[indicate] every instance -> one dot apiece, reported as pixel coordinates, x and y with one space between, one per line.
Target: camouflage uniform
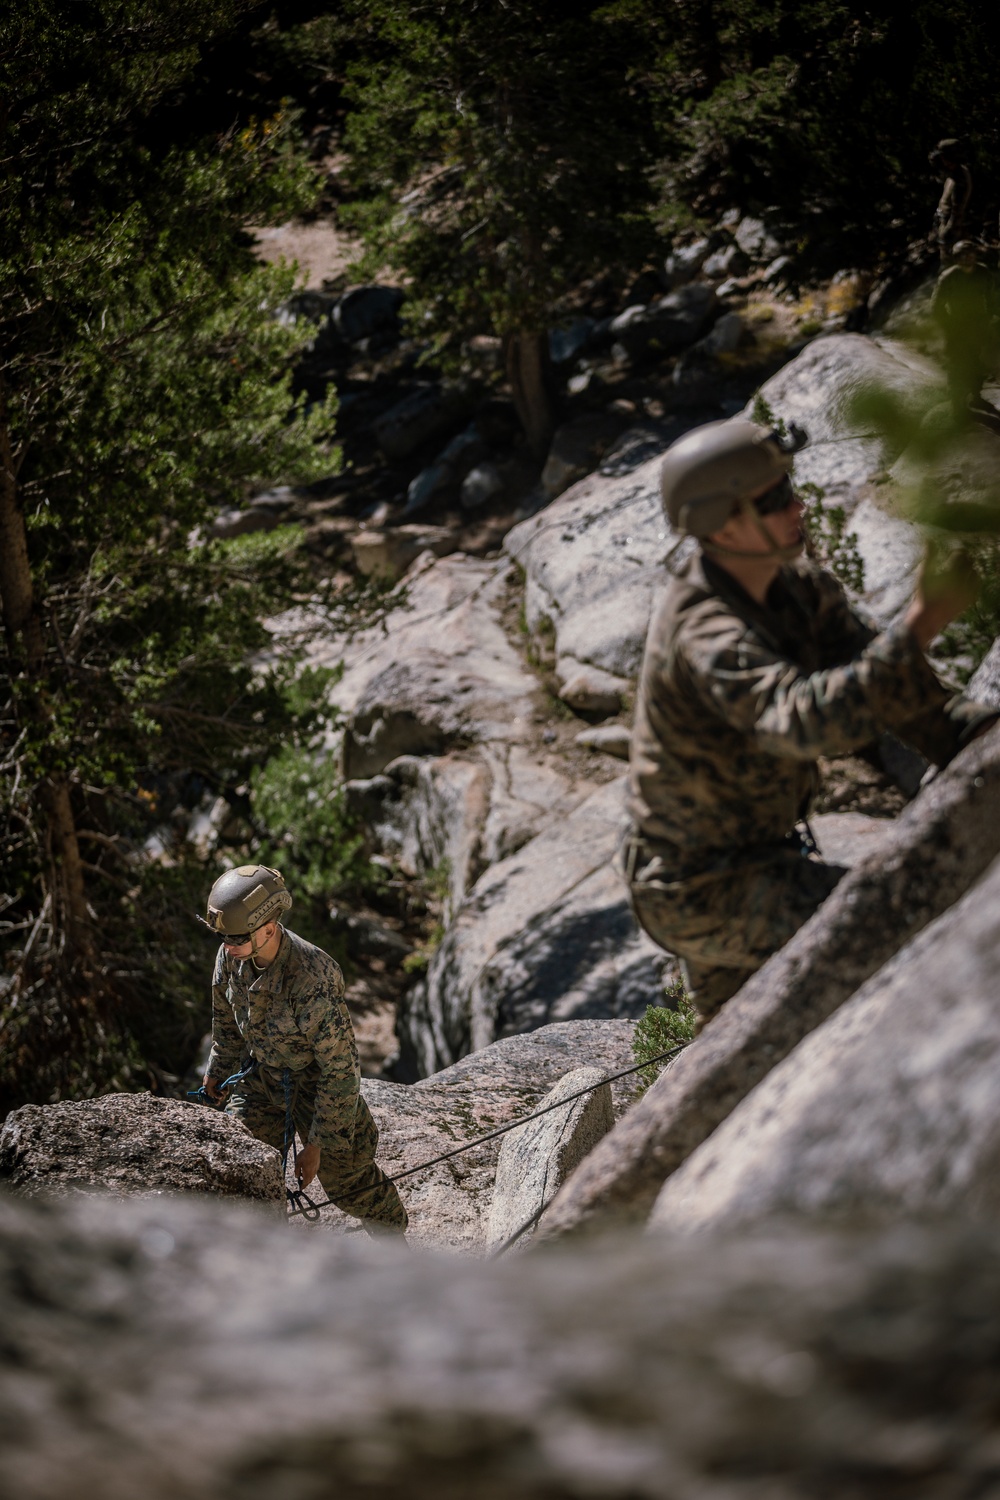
949 216
736 703
291 1015
965 308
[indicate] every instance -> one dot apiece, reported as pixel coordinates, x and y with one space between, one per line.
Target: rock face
135 1143
891 1108
441 671
546 934
939 848
592 562
449 1205
177 1349
593 559
536 1159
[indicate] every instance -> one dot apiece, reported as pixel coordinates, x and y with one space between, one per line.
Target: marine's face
782 528
241 945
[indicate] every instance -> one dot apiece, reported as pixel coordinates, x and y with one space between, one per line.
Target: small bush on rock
661 1028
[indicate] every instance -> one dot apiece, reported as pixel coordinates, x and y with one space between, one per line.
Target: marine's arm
227 1044
886 684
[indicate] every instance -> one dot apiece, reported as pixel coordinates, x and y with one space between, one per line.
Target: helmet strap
780 554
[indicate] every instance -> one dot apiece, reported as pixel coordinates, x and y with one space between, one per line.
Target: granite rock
889 1109
135 1144
938 849
192 1351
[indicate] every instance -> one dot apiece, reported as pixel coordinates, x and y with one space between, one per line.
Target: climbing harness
312 1212
231 1082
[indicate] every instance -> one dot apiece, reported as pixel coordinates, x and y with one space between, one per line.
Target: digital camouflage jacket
290 1015
737 702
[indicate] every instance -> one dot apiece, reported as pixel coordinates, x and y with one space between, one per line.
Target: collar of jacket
269 981
708 580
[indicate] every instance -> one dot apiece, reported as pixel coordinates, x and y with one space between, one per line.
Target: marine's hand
308 1164
212 1088
947 586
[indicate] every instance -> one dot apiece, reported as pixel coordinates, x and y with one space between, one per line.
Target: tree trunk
26 652
529 373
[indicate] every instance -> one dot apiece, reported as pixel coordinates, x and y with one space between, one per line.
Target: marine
756 665
949 216
278 1015
966 309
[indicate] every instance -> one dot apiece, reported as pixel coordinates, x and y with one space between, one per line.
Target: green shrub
663 1027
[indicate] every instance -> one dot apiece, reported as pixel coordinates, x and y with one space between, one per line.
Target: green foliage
818 115
945 484
830 542
144 381
298 802
500 154
663 1028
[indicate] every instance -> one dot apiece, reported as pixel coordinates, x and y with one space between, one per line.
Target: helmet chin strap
780 554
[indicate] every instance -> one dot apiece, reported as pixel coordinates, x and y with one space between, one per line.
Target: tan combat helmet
711 472
242 900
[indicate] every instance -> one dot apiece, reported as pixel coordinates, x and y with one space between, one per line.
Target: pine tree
501 149
144 381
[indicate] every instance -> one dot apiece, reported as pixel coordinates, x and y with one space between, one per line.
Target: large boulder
536 1159
439 672
666 326
891 1108
939 848
182 1349
451 816
593 561
450 1204
427 412
135 1143
546 934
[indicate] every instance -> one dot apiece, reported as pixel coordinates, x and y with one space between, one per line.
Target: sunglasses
234 939
779 497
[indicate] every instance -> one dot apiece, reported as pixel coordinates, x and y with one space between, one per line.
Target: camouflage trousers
724 924
356 1184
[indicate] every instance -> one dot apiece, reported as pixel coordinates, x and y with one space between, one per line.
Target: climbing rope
491 1135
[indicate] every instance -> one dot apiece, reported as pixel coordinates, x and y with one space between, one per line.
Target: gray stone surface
592 563
891 1108
984 684
441 670
387 553
449 1205
848 838
815 390
455 814
577 447
427 412
940 847
546 934
536 1159
611 739
666 326
588 689
135 1143
193 1351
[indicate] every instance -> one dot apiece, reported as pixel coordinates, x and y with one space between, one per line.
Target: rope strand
492 1135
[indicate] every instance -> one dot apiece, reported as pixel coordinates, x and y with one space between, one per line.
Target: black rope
491 1135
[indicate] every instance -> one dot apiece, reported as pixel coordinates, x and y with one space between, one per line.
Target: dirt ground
321 250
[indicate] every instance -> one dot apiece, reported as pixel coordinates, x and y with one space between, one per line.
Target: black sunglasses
235 939
779 497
